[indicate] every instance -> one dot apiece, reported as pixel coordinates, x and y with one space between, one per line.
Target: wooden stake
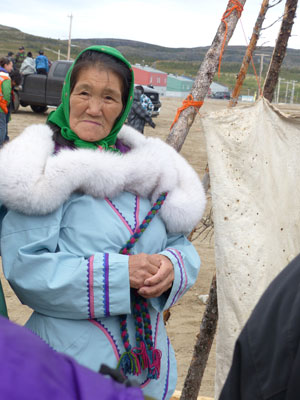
204 79
248 56
280 49
202 347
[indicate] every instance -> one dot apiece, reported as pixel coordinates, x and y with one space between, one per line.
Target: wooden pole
204 79
202 347
280 49
250 49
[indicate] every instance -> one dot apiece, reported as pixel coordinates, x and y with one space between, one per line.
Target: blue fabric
30 369
67 267
41 62
3 128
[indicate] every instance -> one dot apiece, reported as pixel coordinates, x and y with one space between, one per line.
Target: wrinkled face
9 66
95 103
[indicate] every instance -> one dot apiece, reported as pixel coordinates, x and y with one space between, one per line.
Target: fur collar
33 181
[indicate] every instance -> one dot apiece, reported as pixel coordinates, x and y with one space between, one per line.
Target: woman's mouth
92 122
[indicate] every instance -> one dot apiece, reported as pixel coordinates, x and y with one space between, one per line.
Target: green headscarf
61 116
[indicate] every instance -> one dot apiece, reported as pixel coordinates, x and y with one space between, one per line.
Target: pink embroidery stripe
108 336
91 286
120 216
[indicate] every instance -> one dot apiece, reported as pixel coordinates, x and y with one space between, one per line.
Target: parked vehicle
221 95
41 91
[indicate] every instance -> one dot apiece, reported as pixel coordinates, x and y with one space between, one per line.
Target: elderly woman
94 236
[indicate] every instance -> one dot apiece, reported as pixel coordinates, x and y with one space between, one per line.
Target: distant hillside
180 61
12 38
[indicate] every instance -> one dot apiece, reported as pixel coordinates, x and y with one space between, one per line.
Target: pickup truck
40 91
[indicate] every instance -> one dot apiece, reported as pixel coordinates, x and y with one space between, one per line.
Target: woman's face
9 66
95 103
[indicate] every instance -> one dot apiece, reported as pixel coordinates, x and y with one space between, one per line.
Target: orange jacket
3 102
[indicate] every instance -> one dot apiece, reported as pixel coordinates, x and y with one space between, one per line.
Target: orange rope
239 8
252 62
188 102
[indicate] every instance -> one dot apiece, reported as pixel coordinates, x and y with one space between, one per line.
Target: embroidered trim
126 223
109 336
90 285
180 262
106 284
168 372
137 212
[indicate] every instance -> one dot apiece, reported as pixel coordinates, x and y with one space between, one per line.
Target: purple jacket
30 369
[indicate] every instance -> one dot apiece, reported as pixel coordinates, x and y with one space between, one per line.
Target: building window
158 79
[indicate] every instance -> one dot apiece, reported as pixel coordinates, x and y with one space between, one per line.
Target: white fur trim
33 181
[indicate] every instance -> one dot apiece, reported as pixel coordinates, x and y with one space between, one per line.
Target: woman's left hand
161 281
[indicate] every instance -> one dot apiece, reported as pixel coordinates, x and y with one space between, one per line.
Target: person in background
16 79
138 116
28 65
20 56
30 369
41 64
91 241
6 66
146 101
10 56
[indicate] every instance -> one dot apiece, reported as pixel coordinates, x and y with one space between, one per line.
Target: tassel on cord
129 363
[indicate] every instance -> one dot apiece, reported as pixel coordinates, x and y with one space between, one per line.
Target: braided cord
144 355
138 232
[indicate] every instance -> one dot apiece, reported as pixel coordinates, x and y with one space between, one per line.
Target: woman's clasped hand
150 274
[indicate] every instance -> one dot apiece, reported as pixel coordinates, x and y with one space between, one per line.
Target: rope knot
188 102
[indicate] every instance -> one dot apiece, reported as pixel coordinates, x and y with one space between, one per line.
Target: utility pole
69 42
261 65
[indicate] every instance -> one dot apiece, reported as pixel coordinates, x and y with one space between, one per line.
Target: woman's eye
83 93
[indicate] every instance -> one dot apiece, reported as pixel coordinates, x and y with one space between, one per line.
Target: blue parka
69 215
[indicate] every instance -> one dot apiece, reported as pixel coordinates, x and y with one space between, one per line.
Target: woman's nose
95 106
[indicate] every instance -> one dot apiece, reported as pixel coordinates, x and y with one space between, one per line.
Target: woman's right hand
141 267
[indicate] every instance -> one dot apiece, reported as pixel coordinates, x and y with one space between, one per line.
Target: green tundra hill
178 61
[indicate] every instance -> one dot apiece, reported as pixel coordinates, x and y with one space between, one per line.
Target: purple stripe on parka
136 213
168 372
176 254
90 286
106 284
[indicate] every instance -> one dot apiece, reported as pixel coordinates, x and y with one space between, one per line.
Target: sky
169 23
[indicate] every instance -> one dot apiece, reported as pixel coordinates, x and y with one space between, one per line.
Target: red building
150 76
